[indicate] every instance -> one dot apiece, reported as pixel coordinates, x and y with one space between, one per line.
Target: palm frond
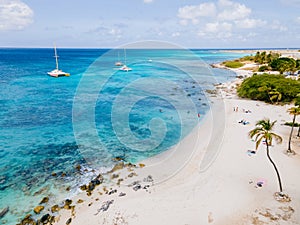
261 123
255 131
258 135
277 138
294 111
272 124
263 131
269 139
259 141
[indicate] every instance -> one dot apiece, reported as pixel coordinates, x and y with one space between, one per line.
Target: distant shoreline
295 53
236 50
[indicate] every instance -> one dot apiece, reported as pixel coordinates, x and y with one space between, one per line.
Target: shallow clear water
45 122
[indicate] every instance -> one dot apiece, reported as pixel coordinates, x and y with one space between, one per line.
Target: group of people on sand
236 109
244 122
246 111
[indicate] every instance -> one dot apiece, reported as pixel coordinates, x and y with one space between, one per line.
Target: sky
187 23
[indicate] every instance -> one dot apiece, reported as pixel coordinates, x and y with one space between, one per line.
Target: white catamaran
57 72
125 67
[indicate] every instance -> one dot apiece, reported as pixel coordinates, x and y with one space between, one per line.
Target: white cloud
232 10
223 10
220 19
249 23
148 1
225 3
218 27
192 13
114 31
247 37
176 34
276 25
212 27
14 15
216 30
252 34
298 19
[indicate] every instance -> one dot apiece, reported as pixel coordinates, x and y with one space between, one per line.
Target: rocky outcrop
44 200
118 166
28 221
67 204
55 208
38 209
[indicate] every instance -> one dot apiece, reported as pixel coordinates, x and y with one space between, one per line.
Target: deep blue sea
49 125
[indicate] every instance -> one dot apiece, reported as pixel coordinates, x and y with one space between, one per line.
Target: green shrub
263 57
269 88
263 68
247 58
298 63
283 64
233 64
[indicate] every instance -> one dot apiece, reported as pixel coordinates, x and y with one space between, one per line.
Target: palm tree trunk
277 172
290 138
298 135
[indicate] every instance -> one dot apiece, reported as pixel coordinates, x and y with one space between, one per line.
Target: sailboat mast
124 56
55 55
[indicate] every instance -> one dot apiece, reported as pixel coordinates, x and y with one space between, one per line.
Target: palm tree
263 132
265 89
257 57
295 111
263 57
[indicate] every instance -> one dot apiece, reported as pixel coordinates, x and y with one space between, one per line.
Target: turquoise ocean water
37 114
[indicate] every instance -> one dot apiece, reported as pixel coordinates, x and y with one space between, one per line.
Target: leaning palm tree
295 111
263 132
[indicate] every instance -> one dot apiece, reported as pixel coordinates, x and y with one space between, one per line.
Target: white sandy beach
192 187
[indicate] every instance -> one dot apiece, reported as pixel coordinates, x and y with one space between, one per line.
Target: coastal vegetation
264 58
263 133
269 88
284 64
271 61
233 64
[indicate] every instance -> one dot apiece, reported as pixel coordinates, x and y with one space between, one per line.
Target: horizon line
190 48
